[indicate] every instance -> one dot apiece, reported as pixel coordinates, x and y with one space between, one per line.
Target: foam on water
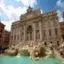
18 56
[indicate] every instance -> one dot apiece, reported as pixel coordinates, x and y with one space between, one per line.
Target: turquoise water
27 60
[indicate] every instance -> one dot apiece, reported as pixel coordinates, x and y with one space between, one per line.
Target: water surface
27 60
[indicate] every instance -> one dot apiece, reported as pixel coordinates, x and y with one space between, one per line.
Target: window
37 34
49 32
58 43
14 37
56 31
29 32
44 33
11 37
18 36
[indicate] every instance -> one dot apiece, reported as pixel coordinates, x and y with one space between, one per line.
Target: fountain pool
28 60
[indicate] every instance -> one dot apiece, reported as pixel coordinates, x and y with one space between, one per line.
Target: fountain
34 51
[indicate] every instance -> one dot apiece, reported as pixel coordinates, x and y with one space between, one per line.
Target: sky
10 10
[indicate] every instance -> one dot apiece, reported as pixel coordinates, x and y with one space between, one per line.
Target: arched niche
29 33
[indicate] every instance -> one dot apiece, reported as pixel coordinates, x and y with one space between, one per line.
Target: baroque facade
62 25
36 27
62 29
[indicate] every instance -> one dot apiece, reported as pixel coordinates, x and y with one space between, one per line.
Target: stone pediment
30 14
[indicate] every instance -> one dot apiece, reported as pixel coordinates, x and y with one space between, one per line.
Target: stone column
40 30
24 33
20 35
34 32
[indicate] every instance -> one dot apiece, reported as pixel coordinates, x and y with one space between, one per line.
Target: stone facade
6 38
1 33
62 26
36 27
62 29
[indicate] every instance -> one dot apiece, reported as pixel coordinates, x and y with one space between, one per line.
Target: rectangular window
11 37
56 31
49 32
37 34
14 37
18 37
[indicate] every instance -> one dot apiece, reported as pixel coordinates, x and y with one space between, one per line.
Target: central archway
29 33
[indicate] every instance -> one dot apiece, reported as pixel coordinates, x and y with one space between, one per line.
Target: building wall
1 32
6 38
62 29
62 26
36 27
